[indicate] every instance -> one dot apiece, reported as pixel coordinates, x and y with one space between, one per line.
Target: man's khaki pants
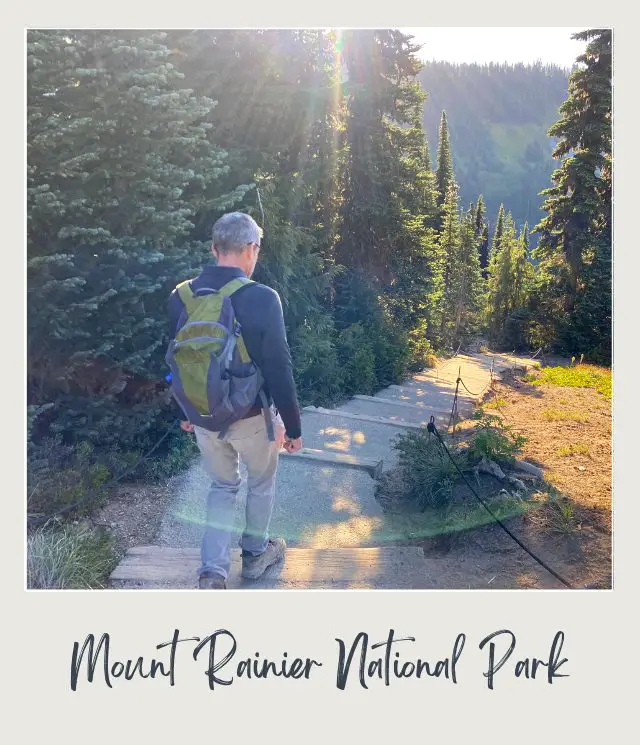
246 439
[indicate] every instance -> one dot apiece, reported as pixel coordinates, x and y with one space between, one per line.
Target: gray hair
233 232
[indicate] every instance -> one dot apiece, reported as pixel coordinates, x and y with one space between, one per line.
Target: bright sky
512 45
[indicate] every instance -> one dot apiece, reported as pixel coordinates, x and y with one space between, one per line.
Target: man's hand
292 446
186 426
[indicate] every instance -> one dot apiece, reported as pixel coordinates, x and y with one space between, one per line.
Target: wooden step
373 466
387 567
362 417
395 402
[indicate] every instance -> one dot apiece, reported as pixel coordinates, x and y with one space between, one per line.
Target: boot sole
256 574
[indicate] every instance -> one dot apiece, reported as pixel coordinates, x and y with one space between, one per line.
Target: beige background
594 704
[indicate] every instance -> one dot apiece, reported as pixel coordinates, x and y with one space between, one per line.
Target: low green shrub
426 473
494 439
59 474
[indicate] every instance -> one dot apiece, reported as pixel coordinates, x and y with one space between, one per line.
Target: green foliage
68 557
120 163
498 117
395 351
445 177
494 439
510 282
420 351
427 473
179 453
496 242
482 233
388 209
59 475
553 414
556 515
575 376
468 286
462 281
357 360
574 249
317 371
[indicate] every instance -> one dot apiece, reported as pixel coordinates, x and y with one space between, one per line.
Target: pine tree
500 282
444 171
450 244
479 215
119 163
482 232
468 280
384 228
510 283
524 236
497 234
523 272
575 234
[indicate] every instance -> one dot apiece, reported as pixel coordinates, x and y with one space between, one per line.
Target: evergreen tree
497 233
444 170
479 215
384 217
524 237
510 283
498 117
139 140
468 280
450 248
523 272
482 232
575 237
500 282
119 163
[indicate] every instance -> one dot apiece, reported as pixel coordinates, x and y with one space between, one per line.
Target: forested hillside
498 118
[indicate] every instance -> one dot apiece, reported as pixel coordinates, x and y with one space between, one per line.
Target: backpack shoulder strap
185 293
190 299
234 285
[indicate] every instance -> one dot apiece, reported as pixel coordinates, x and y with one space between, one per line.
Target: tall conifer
444 169
575 236
119 164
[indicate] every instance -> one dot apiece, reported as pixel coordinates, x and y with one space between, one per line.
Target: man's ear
214 251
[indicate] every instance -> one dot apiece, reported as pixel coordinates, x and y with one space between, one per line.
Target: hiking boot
255 566
211 581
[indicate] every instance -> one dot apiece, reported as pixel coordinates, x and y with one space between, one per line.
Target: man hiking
248 375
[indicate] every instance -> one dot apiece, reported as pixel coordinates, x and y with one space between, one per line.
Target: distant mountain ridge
498 117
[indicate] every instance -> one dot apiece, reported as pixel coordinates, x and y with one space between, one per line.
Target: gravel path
323 506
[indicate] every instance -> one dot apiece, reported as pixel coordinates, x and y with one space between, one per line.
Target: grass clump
495 403
68 557
563 415
556 516
575 376
425 474
577 449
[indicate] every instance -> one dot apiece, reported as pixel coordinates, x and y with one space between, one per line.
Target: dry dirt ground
133 514
568 433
